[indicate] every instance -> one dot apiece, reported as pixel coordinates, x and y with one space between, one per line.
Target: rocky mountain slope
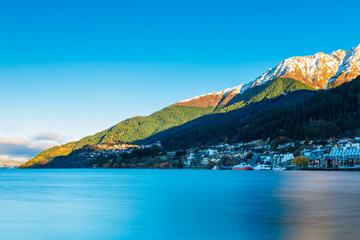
318 71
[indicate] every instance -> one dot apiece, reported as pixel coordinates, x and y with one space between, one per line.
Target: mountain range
10 163
291 81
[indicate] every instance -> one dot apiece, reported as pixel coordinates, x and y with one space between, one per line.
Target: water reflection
320 205
178 204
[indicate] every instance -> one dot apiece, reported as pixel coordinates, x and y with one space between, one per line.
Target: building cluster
324 154
344 153
95 154
111 149
255 152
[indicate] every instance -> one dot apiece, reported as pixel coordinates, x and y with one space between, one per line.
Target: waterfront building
348 155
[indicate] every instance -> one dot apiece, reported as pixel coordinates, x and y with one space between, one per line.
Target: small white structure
316 153
211 152
265 158
286 145
205 161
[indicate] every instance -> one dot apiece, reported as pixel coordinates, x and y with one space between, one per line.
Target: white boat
216 168
278 168
262 167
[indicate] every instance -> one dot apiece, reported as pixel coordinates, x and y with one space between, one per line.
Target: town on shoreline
279 154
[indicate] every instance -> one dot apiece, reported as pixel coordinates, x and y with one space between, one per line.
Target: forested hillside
334 112
269 90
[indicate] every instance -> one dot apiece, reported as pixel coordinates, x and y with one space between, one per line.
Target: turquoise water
111 204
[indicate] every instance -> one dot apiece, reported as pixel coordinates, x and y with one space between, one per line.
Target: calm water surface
178 204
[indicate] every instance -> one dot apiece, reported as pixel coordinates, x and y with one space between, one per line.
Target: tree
300 161
210 165
225 161
249 156
165 165
180 153
178 163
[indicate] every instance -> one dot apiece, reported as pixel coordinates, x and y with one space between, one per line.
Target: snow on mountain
315 70
349 69
319 71
212 99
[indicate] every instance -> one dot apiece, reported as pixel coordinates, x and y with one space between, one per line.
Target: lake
112 204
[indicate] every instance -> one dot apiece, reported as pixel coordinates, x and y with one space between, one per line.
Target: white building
282 158
189 160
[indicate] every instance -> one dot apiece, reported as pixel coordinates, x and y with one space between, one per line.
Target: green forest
132 129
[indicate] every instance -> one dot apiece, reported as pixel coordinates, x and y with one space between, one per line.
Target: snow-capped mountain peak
320 71
314 70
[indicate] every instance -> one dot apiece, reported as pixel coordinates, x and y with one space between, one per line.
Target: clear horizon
73 68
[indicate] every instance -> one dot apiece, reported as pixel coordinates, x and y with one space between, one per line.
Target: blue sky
72 68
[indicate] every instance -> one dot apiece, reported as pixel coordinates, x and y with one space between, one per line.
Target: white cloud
49 136
13 158
20 148
25 142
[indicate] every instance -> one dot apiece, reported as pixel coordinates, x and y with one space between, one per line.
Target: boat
242 166
262 167
278 168
215 168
